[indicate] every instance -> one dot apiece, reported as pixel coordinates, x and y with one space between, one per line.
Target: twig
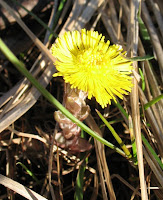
135 99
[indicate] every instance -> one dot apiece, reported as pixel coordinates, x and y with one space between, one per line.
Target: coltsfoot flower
90 64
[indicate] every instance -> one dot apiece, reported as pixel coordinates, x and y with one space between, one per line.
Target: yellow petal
88 63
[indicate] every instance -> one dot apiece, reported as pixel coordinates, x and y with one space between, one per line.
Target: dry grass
26 119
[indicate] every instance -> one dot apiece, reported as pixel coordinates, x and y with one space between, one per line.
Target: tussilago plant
90 65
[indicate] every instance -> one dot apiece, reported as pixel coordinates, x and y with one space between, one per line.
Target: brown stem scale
68 137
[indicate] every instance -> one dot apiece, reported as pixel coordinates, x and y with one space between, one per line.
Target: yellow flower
88 63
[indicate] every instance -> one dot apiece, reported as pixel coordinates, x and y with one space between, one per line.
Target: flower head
88 63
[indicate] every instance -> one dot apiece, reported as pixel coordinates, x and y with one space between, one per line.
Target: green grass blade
148 146
118 105
37 19
58 13
79 182
155 100
28 171
116 136
142 79
141 58
143 29
13 59
133 142
80 176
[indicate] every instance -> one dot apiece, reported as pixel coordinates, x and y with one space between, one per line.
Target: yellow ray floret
88 63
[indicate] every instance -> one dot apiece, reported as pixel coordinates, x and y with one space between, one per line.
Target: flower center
90 59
